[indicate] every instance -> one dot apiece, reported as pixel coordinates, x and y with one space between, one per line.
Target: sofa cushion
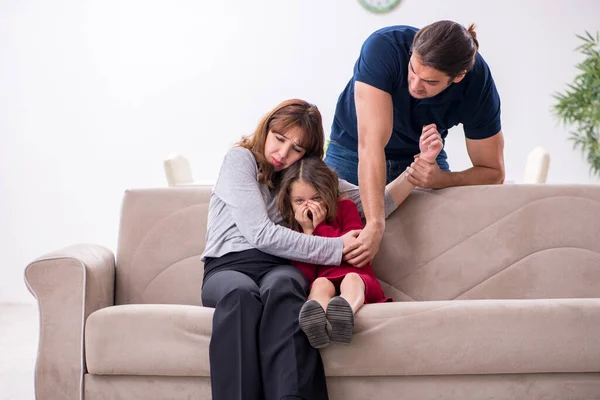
412 338
149 339
471 337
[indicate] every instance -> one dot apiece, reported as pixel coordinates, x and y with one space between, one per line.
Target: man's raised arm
374 112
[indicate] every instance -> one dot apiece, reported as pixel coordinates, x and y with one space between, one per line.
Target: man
410 83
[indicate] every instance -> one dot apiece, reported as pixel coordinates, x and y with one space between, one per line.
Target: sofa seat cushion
471 337
414 338
149 339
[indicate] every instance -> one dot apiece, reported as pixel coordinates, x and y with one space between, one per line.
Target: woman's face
282 149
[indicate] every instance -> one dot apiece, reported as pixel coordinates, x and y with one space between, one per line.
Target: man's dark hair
446 46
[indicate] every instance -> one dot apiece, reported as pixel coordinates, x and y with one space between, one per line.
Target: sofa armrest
69 284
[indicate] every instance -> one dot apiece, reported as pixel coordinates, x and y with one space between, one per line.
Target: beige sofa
498 298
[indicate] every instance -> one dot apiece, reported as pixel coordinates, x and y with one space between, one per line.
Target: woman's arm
395 193
238 188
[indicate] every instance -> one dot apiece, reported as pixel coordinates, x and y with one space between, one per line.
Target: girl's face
301 193
282 149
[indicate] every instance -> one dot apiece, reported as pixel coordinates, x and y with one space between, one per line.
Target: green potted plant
579 105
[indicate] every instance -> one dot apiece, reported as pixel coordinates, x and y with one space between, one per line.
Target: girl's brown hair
315 172
447 46
289 114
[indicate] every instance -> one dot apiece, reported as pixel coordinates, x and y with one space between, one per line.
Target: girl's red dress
347 219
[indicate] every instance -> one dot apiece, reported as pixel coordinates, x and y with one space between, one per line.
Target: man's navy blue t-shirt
383 63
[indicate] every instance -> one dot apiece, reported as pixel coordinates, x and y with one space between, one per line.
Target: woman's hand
305 222
349 240
319 212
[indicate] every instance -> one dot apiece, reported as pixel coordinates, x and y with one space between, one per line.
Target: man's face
425 82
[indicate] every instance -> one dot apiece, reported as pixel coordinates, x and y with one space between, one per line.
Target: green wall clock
379 6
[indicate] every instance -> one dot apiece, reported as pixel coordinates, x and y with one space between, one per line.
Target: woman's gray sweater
243 215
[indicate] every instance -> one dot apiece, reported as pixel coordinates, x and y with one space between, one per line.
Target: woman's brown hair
315 172
447 46
289 114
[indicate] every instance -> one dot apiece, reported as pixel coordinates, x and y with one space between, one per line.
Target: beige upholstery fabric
468 387
455 387
149 339
161 238
98 387
69 285
498 290
471 242
470 337
417 338
467 242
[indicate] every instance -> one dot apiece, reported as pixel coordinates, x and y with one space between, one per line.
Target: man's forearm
474 176
371 179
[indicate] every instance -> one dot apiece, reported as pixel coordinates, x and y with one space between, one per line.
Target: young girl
310 202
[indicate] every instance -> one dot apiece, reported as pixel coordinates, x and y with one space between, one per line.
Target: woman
257 349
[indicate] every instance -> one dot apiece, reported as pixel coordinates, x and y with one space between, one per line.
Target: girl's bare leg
352 289
341 309
322 290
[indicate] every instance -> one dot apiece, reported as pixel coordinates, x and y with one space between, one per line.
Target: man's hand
301 216
362 252
423 174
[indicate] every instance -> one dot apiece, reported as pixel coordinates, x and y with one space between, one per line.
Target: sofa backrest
161 236
493 242
478 242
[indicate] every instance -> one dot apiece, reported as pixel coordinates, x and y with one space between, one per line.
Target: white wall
94 94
